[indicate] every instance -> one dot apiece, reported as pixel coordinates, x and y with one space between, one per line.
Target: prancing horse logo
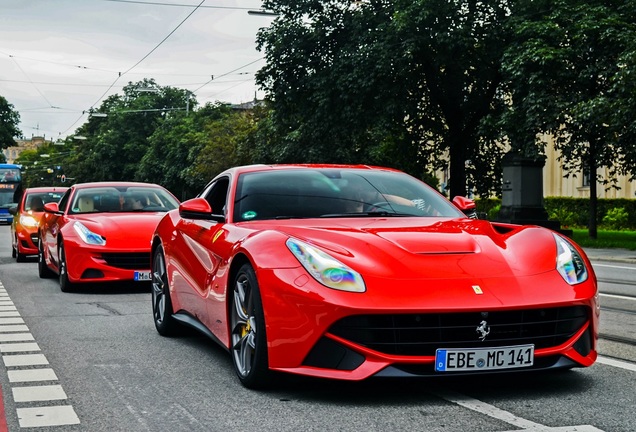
483 330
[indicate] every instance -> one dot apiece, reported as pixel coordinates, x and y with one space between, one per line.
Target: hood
123 230
430 247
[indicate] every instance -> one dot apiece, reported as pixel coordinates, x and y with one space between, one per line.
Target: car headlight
569 263
28 221
89 236
325 269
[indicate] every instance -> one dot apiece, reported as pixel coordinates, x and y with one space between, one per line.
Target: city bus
10 190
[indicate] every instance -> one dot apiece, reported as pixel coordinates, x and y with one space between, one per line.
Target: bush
564 216
616 218
575 212
494 212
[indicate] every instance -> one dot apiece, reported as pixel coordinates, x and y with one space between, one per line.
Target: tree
42 166
569 73
175 149
116 144
347 79
9 121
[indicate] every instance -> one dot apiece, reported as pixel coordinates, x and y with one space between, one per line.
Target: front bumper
306 335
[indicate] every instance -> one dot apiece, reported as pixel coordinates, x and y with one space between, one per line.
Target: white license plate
479 359
142 275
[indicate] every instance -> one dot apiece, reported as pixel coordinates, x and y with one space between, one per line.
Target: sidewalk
615 255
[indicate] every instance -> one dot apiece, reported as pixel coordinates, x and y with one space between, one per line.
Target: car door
197 261
50 228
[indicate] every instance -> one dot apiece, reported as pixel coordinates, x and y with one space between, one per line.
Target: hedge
612 213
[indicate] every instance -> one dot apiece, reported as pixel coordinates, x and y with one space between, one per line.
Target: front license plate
479 359
142 275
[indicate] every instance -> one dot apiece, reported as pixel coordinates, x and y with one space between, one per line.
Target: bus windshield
10 189
10 175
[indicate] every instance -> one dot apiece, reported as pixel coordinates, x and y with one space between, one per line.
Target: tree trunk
592 227
457 180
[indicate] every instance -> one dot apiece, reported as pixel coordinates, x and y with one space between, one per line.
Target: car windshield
35 201
333 192
122 199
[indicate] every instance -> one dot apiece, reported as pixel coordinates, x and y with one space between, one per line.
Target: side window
64 201
217 195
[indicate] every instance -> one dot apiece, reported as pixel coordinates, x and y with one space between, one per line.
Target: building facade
12 153
555 184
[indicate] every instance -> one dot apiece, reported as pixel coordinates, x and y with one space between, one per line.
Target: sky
60 58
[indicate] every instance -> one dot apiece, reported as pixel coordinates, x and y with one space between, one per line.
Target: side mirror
51 207
13 210
466 205
198 208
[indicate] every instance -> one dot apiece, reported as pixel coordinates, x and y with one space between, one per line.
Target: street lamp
262 12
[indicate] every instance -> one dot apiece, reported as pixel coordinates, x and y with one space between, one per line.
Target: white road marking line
13 337
32 375
614 266
25 360
16 335
47 416
507 417
11 313
38 393
616 296
14 320
13 328
584 428
487 409
19 347
616 363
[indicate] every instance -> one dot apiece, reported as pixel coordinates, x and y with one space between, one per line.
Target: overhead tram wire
121 74
227 73
31 81
177 4
57 63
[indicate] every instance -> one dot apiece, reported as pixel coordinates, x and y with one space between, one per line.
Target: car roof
46 189
114 184
273 167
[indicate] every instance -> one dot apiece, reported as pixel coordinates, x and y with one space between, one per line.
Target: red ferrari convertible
26 217
350 272
101 232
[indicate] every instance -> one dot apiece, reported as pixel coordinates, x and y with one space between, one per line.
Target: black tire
19 257
43 270
14 254
65 284
249 341
161 303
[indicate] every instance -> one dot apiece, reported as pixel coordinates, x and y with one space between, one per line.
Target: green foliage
564 216
606 239
579 208
9 121
574 212
570 73
43 166
488 206
616 218
415 79
493 213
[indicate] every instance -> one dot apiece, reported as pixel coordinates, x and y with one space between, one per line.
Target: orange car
26 217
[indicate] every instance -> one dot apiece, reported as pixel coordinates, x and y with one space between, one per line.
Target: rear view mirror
466 205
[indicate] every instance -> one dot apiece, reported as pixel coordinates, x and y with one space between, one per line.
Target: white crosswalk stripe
26 368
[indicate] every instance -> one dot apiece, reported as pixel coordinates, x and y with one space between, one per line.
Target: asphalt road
92 361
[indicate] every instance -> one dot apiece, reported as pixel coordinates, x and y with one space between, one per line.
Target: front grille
129 261
422 334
